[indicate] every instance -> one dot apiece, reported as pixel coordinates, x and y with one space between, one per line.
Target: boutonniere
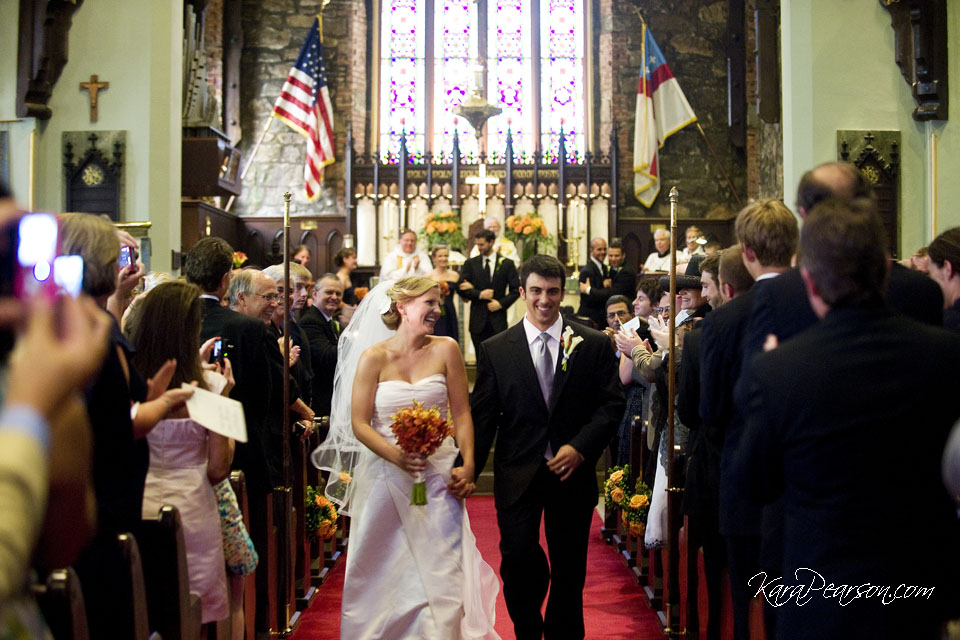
569 343
497 261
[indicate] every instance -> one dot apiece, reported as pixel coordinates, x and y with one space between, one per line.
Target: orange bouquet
420 432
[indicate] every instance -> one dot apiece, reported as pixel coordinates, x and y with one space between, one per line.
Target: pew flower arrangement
617 487
420 432
527 232
444 228
634 514
320 514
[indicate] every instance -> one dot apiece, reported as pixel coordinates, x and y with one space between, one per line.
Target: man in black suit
320 324
489 281
598 283
768 235
553 410
782 308
208 265
826 420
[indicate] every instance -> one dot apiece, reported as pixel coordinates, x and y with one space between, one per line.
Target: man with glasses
619 312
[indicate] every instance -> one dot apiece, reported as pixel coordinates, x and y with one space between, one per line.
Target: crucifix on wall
94 87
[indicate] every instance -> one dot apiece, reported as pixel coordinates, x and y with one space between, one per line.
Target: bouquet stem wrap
420 432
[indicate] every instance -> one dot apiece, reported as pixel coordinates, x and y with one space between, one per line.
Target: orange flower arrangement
528 231
443 228
320 514
420 432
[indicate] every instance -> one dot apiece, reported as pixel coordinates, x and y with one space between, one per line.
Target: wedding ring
563 468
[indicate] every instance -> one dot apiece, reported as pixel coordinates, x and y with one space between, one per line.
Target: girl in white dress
413 571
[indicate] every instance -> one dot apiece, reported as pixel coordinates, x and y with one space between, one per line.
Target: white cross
482 180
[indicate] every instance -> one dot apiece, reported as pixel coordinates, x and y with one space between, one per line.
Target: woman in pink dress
186 460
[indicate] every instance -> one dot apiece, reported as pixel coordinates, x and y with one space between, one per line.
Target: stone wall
691 35
274 31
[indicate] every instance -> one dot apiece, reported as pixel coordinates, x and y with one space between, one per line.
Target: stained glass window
514 58
402 70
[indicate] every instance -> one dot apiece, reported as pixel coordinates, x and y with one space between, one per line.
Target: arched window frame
422 137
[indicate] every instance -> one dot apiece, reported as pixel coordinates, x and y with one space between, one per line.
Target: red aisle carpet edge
613 605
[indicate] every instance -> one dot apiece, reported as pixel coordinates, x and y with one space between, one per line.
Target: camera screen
68 274
125 258
217 349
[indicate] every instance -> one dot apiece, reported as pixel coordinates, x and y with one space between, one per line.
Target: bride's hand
411 463
462 483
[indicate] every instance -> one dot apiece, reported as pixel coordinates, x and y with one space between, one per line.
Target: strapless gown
413 571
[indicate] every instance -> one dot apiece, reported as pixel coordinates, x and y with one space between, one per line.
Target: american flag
304 105
662 110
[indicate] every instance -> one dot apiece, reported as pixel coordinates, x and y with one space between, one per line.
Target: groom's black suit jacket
586 407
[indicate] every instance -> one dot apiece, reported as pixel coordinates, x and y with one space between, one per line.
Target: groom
550 394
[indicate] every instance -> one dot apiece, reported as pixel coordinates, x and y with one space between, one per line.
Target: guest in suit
620 280
595 275
208 265
782 308
489 281
768 235
299 290
548 443
322 329
807 415
254 294
944 268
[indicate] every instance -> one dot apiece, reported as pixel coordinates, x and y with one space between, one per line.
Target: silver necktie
544 364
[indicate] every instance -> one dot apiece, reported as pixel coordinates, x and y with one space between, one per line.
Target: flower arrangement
321 514
444 228
339 490
616 487
361 292
528 231
444 294
634 514
239 259
420 432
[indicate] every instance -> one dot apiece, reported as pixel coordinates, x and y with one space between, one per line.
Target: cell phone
125 258
37 235
68 274
217 354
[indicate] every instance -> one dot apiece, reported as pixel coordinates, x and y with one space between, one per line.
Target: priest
405 260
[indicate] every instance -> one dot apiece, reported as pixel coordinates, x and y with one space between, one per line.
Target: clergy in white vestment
405 260
502 245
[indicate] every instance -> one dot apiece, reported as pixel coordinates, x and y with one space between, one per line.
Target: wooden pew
264 534
305 592
138 624
174 612
61 601
239 484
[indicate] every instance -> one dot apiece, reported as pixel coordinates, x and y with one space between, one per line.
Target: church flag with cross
304 105
662 110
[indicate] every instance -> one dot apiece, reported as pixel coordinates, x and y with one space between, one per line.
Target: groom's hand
564 463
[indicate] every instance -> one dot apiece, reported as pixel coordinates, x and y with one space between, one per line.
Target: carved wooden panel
41 53
877 155
920 28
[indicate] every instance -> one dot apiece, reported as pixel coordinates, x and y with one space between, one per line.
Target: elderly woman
122 408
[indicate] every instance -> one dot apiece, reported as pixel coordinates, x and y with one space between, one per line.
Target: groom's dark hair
543 266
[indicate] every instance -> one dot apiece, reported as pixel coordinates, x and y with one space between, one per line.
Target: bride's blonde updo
405 290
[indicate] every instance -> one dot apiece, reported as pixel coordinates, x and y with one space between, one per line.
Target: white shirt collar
324 314
597 262
210 296
555 330
767 276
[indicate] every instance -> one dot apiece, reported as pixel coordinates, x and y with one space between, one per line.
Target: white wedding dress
413 571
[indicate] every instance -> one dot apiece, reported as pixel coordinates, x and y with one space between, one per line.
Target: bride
412 571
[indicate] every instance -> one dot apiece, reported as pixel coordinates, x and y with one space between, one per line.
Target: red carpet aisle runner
613 606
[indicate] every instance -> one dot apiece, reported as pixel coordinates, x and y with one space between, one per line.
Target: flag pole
253 154
736 196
